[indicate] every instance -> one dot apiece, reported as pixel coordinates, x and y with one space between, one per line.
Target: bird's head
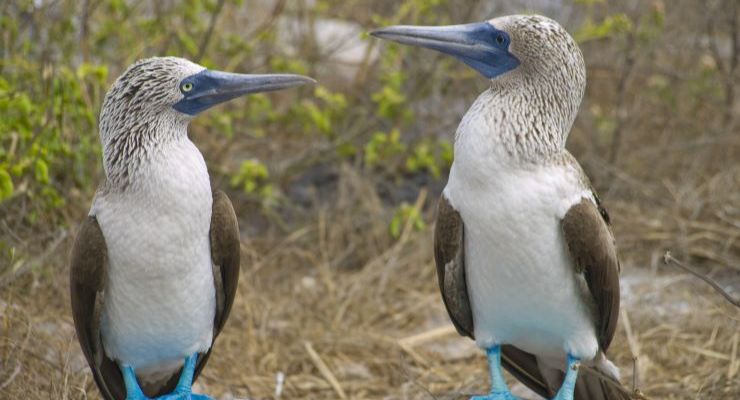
153 101
530 57
500 46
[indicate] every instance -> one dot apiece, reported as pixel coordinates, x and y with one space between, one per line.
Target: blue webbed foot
182 391
499 390
569 383
495 396
195 396
183 396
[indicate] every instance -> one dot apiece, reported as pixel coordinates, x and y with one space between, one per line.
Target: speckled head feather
137 114
534 105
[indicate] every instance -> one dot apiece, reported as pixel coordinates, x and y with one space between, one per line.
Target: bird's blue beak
209 88
480 45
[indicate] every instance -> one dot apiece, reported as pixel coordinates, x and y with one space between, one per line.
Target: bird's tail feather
592 383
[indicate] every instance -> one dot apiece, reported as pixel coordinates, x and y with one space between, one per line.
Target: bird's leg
569 383
499 390
183 390
184 385
133 391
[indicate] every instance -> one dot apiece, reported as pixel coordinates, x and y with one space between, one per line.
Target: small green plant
382 147
322 112
432 156
610 26
42 140
406 213
6 185
253 179
390 99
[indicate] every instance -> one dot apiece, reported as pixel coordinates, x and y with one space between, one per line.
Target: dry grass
342 311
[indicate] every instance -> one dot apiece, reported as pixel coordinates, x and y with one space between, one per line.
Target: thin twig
668 258
12 376
732 369
25 266
407 375
211 25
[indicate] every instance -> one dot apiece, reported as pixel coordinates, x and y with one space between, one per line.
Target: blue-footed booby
526 260
155 265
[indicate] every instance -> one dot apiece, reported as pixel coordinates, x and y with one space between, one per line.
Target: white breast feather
522 284
160 299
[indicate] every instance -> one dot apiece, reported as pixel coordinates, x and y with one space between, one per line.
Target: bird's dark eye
500 39
186 87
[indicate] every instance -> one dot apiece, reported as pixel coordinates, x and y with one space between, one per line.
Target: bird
526 260
155 265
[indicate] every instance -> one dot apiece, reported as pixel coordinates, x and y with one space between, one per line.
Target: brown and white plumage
88 281
525 258
155 266
590 243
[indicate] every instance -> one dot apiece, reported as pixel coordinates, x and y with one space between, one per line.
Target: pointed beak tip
380 32
301 80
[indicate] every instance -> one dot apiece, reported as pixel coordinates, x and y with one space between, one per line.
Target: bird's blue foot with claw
500 391
183 390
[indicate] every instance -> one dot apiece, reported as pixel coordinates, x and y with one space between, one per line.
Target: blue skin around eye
202 82
490 57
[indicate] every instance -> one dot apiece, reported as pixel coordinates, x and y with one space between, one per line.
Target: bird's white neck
519 122
521 118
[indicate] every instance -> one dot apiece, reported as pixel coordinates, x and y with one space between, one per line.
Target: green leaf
6 185
41 171
611 26
404 214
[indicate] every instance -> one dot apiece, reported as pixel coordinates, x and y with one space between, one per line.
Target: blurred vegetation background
336 184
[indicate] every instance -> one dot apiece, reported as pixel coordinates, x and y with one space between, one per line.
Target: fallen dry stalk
426 336
734 365
324 370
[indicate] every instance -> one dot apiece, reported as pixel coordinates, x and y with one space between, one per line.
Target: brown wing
593 249
88 270
225 247
449 255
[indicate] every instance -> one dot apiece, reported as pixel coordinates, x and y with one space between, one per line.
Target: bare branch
209 33
668 258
